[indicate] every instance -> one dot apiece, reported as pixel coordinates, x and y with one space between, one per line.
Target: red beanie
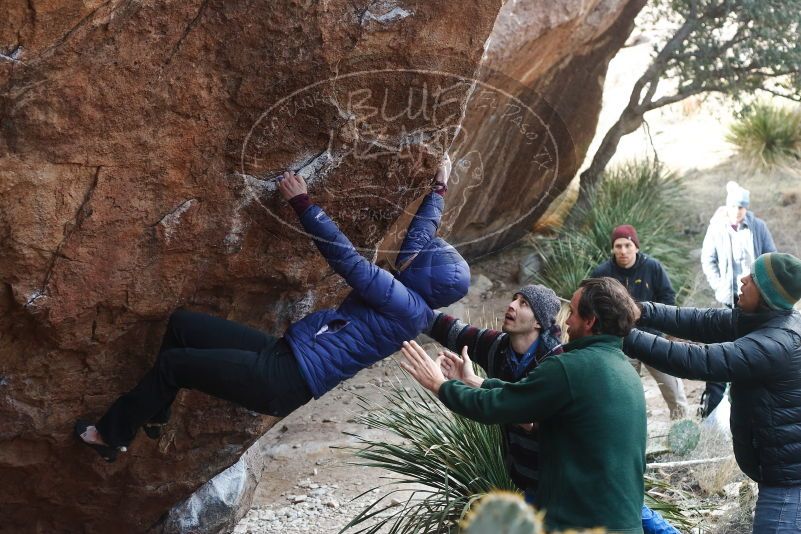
627 231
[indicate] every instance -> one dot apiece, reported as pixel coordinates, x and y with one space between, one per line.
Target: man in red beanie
646 281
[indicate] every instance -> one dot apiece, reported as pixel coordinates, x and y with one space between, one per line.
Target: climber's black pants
219 357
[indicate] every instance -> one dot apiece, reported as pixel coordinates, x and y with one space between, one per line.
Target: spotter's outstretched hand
422 368
456 367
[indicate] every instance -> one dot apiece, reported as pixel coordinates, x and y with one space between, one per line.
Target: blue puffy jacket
381 311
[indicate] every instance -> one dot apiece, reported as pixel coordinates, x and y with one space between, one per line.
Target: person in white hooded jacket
734 240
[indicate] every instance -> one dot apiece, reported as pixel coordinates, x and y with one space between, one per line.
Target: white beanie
737 196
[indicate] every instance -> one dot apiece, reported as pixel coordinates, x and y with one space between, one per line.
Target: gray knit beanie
543 301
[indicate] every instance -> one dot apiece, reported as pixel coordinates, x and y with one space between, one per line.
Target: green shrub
640 193
766 135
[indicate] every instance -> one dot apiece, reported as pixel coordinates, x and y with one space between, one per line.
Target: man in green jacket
589 405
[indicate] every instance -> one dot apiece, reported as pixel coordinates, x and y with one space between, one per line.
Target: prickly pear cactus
502 512
683 436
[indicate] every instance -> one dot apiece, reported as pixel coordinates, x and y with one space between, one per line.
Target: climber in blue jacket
273 375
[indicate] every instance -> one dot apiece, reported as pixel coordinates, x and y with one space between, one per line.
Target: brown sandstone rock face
532 116
137 140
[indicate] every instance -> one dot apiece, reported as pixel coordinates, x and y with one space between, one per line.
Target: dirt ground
309 484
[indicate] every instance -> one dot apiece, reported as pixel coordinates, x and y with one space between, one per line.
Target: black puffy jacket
760 354
646 280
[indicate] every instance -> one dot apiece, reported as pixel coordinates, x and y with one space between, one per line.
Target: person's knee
179 322
179 317
168 362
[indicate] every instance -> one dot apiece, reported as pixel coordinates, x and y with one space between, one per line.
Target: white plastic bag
718 420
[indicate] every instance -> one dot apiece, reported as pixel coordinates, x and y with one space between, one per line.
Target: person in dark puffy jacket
274 375
756 347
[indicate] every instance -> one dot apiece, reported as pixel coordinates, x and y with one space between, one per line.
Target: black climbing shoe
106 452
153 430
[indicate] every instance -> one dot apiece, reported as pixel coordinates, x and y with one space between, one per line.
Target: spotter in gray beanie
544 303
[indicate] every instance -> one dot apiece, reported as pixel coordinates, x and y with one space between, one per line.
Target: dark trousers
712 396
222 358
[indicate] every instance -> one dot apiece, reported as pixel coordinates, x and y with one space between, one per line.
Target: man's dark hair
608 301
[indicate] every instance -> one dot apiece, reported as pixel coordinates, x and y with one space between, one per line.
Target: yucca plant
456 460
566 261
445 462
766 135
641 193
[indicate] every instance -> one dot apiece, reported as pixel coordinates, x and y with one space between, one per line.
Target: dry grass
692 106
558 211
739 518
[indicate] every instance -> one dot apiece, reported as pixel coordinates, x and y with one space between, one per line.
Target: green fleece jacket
590 407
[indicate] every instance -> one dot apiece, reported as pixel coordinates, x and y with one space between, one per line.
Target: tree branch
652 85
672 99
755 71
794 98
657 66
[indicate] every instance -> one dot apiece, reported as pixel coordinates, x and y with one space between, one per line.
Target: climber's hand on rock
443 171
291 185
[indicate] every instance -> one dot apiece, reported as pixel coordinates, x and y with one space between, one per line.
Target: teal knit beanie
778 278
